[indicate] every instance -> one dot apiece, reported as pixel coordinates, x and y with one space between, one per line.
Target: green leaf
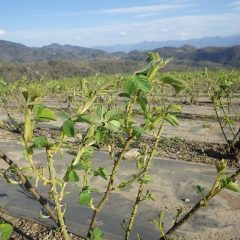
31 94
140 163
113 114
102 172
47 114
90 132
221 165
143 83
100 111
171 119
64 115
84 164
199 189
96 234
24 92
85 197
130 86
228 120
40 141
100 134
115 123
178 85
145 179
136 83
85 118
138 132
5 231
88 152
153 72
71 176
146 69
143 102
43 114
152 56
154 63
233 186
68 128
175 107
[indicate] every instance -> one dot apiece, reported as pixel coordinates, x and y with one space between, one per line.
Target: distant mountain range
15 52
18 53
198 43
59 61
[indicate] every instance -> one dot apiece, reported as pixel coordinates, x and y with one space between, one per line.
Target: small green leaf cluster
6 231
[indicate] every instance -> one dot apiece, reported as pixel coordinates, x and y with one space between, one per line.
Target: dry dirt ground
195 140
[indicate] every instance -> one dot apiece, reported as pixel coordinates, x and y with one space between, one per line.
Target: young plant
154 119
34 113
222 181
221 96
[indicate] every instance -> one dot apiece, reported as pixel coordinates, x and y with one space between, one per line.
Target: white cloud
144 15
143 9
174 28
2 32
66 14
183 35
235 5
123 33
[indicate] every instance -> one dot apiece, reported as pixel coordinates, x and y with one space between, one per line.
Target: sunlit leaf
102 172
96 234
43 114
172 119
71 176
178 85
143 102
5 231
85 197
68 128
41 141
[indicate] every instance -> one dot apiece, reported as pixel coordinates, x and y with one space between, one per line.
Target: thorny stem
110 185
212 193
219 121
226 115
87 105
134 211
115 166
141 185
235 137
27 135
22 180
55 195
228 104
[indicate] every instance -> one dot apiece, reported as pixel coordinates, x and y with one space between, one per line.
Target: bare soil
186 149
25 229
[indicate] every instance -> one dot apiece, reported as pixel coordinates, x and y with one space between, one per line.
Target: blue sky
108 22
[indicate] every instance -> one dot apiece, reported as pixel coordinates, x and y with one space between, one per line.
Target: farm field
183 122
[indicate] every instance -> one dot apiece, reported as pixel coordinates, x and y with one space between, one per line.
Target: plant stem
134 211
141 185
198 205
219 121
116 164
226 116
60 214
110 185
24 182
235 137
